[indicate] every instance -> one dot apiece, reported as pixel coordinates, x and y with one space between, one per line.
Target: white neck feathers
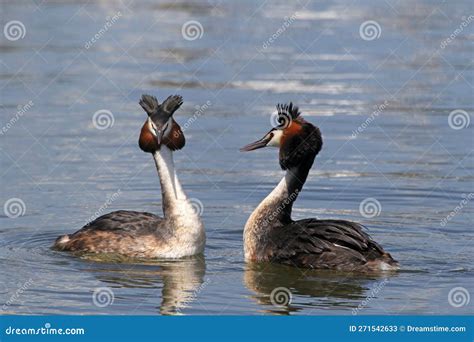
167 173
182 218
278 194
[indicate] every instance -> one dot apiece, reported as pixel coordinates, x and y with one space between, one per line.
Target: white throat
266 217
181 215
268 208
276 196
170 185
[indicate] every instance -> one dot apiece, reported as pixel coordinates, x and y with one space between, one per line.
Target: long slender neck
171 190
181 216
275 209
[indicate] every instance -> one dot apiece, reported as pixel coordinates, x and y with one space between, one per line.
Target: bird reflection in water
180 280
275 288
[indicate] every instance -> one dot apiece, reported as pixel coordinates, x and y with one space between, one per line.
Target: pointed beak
159 136
257 144
158 129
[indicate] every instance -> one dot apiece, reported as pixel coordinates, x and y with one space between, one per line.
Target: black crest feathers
171 104
288 110
156 111
149 104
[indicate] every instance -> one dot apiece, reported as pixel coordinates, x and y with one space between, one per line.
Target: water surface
406 155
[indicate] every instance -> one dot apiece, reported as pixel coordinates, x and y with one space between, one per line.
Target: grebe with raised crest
136 234
270 234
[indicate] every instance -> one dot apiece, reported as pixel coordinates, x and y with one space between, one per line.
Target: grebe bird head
160 128
298 140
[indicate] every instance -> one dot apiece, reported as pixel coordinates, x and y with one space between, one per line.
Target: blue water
406 156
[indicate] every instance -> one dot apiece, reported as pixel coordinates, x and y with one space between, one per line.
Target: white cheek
168 128
150 127
276 139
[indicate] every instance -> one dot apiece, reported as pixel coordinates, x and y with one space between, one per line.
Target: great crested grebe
179 233
271 235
